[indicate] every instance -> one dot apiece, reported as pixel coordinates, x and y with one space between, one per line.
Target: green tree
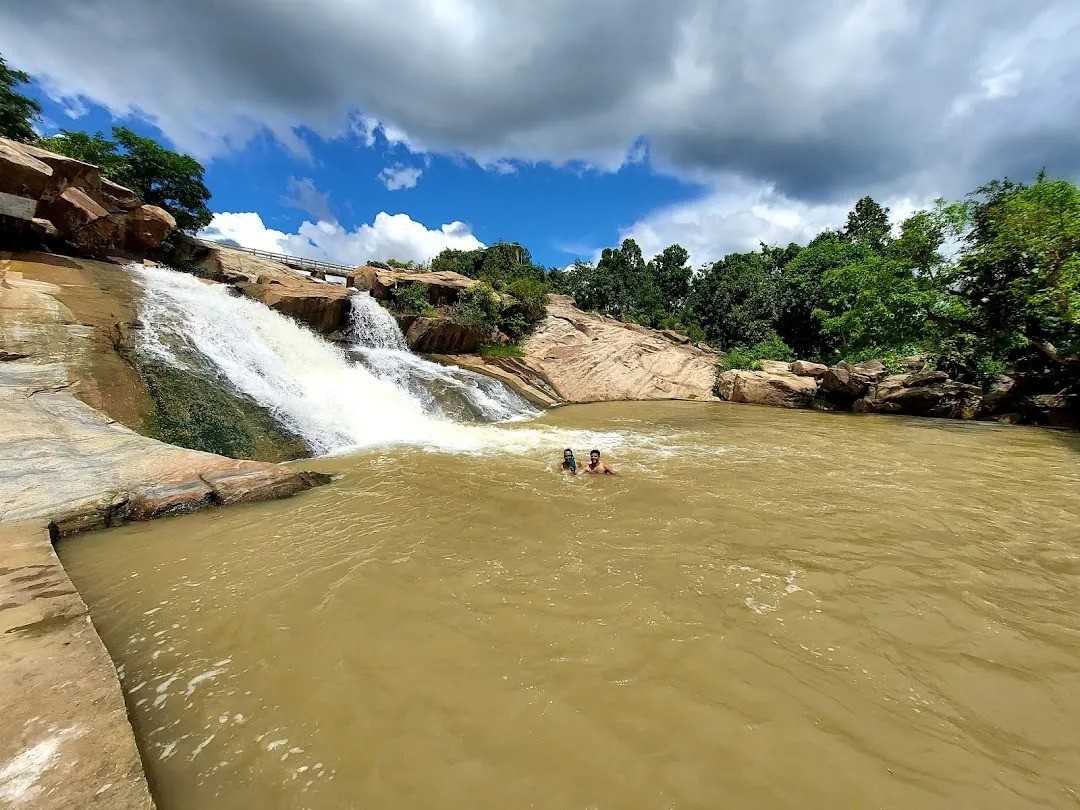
673 276
158 175
96 149
1020 271
162 177
868 224
734 300
17 112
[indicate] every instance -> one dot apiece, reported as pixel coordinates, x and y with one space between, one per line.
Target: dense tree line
980 285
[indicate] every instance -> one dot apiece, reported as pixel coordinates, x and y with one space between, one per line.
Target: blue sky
560 214
338 130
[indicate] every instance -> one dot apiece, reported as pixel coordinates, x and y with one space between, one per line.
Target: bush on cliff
158 175
412 299
748 358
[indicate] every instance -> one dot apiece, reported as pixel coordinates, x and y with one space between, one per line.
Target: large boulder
22 174
91 213
442 287
804 368
442 336
844 383
928 393
1000 395
1054 410
145 228
782 390
67 171
323 307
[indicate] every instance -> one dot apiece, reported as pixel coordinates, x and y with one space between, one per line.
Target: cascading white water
444 390
372 327
309 384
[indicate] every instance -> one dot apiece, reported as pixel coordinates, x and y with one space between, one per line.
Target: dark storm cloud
822 100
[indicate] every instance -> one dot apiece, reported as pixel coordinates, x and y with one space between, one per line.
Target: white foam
309 384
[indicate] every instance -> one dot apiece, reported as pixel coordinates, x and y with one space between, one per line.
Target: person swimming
569 463
596 466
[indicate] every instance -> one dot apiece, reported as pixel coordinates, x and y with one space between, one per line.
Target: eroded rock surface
66 462
586 357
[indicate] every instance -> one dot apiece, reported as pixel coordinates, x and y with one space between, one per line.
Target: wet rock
804 368
765 388
1053 410
174 499
268 482
323 307
442 336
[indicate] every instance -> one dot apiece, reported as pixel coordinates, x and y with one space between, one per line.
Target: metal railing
292 261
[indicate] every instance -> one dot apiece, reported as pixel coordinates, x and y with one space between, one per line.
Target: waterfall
375 393
372 327
447 391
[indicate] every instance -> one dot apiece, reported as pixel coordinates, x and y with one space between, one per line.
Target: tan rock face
22 174
145 228
323 307
584 357
781 390
66 462
804 368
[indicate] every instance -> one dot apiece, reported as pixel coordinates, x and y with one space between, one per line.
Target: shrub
508 350
479 306
411 298
749 358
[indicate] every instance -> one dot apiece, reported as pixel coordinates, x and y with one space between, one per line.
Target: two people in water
594 467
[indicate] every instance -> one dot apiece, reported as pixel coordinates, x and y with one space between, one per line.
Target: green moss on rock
201 414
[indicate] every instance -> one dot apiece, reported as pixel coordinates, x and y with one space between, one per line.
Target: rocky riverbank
915 391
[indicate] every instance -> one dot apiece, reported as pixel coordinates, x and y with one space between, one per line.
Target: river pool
765 608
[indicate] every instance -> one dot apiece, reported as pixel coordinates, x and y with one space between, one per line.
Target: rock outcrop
442 287
778 388
863 387
70 464
52 198
585 357
441 335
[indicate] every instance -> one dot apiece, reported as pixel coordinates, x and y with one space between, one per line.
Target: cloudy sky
356 130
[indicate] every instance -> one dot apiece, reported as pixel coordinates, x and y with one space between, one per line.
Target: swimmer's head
567 454
594 455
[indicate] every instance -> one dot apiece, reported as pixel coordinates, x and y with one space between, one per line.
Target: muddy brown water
765 609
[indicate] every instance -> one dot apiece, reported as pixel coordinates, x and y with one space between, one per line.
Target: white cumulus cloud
399 176
389 236
739 215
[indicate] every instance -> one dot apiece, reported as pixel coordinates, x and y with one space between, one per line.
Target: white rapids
374 393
